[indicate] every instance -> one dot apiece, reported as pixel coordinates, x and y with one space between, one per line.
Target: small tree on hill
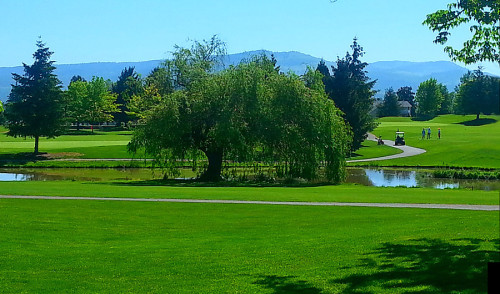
428 98
34 107
478 93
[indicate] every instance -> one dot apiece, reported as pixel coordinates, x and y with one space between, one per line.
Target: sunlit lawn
56 246
341 193
88 145
464 141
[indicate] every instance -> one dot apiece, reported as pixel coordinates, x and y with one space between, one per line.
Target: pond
413 178
363 176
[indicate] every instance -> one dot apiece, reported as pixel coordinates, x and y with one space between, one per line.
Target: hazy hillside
387 73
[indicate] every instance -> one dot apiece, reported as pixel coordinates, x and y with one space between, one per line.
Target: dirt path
391 205
407 151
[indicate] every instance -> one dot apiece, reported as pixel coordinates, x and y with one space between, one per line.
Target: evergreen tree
406 94
323 69
129 83
34 107
352 91
77 78
390 106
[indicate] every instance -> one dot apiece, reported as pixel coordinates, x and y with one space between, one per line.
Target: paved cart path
407 151
392 205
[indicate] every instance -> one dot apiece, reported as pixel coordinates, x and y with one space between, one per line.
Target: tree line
194 108
476 94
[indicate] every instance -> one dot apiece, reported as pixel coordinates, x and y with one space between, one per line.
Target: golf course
258 242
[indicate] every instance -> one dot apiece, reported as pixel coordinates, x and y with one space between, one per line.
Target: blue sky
89 31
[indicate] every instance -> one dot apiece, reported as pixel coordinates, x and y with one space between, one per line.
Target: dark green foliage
390 105
429 98
247 113
34 107
352 91
77 78
323 69
478 93
161 79
484 16
446 106
406 94
129 84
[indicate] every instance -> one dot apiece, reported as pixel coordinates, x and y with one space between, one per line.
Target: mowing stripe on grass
393 205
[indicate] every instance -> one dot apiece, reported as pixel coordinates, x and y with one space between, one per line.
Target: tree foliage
446 106
129 83
157 84
484 16
389 106
478 93
248 112
34 107
428 98
90 102
195 63
352 91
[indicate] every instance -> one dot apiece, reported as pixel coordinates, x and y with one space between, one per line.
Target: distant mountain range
393 74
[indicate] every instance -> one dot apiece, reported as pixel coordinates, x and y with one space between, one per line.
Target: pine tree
34 107
352 91
129 84
390 106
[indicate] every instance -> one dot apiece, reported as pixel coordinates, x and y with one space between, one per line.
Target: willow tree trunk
214 169
36 144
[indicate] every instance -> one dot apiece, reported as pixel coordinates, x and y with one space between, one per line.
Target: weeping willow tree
247 113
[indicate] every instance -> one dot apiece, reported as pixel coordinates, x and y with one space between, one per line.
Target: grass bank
465 142
116 247
341 193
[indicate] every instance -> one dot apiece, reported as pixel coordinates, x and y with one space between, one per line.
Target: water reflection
413 178
362 176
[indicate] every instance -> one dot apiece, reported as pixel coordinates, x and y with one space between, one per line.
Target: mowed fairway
87 145
341 193
464 141
54 246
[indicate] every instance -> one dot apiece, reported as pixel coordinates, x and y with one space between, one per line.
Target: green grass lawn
61 246
464 141
86 145
342 193
370 149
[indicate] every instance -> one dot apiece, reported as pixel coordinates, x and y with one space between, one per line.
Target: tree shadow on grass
426 266
478 122
197 183
20 158
286 284
422 118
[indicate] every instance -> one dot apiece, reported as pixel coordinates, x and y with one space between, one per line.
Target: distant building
404 108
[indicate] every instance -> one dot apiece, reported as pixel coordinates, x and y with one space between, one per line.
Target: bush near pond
467 174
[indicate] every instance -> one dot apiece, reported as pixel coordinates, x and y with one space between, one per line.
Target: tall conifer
34 107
